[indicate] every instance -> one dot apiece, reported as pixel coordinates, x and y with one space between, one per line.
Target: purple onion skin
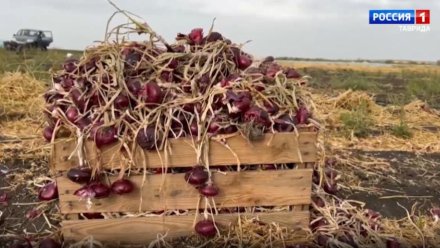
48 192
197 176
101 190
122 186
80 175
393 243
209 190
147 138
105 136
49 243
206 228
48 133
302 115
93 215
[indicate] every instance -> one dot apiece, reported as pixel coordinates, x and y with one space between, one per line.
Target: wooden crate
237 189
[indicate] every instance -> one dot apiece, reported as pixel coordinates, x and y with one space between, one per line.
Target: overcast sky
298 28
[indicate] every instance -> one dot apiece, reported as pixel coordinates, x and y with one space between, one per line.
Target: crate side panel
171 191
145 229
274 148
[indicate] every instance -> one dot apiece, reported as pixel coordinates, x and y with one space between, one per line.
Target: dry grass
386 68
20 96
20 115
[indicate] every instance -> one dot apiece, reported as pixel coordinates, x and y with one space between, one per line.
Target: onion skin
80 175
48 192
148 139
78 98
331 187
48 132
122 186
72 114
291 73
4 199
271 107
70 65
122 102
206 228
197 176
393 243
93 215
105 136
244 61
134 86
209 190
49 243
196 36
213 37
258 116
284 123
101 190
151 94
302 115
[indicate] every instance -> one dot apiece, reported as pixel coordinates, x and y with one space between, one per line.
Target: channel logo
402 16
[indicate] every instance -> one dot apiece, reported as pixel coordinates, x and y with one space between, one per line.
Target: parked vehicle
29 38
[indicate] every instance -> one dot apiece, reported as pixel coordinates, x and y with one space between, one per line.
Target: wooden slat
237 189
274 148
145 229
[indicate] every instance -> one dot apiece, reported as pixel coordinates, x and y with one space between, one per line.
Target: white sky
298 28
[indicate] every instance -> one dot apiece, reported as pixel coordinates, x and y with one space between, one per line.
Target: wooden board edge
145 229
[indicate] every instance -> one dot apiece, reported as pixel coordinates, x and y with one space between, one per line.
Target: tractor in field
29 38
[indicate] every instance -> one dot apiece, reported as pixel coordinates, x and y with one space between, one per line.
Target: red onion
213 127
317 223
316 177
101 190
148 138
206 228
196 36
284 124
105 136
151 93
214 36
93 190
78 99
272 69
4 199
80 174
393 243
70 65
122 186
244 61
271 107
122 101
167 76
319 202
134 86
197 176
209 190
173 64
193 107
241 102
258 116
193 128
83 123
268 167
291 73
331 187
331 174
268 59
48 132
72 114
93 215
302 115
33 213
322 240
48 192
372 215
22 244
67 83
49 243
435 212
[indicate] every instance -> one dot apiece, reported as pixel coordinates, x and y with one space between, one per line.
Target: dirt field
384 136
